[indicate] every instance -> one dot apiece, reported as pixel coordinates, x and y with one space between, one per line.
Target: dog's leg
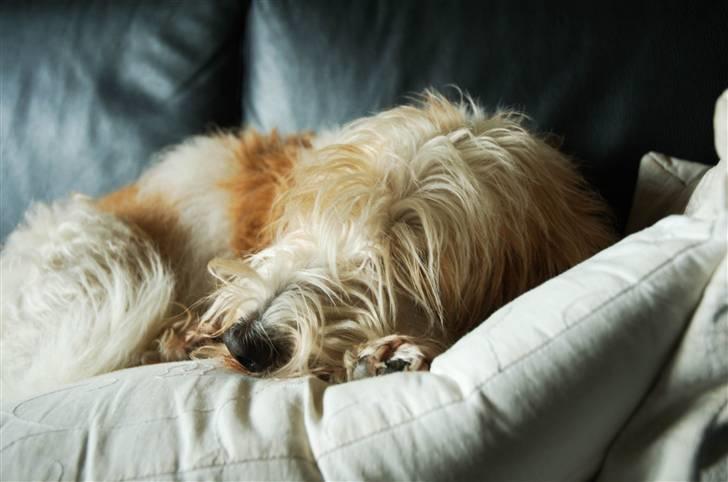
393 353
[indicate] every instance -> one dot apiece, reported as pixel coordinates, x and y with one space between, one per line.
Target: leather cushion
90 90
613 80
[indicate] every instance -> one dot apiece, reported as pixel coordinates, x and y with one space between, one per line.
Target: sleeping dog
357 252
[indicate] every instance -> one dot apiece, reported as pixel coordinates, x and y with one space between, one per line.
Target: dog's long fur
411 225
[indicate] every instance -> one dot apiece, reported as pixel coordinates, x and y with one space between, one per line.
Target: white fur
85 293
188 177
82 294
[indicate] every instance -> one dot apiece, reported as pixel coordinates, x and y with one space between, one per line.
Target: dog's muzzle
254 353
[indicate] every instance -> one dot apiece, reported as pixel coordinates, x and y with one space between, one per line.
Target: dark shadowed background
90 90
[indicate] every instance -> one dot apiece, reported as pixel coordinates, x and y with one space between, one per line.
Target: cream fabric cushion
537 392
664 186
710 198
720 123
679 432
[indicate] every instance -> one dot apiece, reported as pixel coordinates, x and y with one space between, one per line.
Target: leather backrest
91 89
613 79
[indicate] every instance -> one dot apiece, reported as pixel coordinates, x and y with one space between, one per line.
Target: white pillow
710 197
664 186
711 194
720 124
537 392
678 433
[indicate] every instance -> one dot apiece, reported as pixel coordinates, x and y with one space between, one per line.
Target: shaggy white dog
367 250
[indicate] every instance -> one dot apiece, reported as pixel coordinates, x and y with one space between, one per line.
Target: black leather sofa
91 89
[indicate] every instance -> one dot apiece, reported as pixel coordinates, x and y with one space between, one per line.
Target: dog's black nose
253 352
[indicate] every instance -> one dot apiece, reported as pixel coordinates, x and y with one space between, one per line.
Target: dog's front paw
393 353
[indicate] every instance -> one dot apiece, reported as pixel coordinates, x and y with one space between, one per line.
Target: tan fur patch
155 217
265 164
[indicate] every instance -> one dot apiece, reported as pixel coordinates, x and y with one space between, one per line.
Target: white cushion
664 186
678 433
668 185
537 392
711 194
720 125
709 198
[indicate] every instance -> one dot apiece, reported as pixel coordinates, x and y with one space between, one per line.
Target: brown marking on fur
151 214
156 218
265 163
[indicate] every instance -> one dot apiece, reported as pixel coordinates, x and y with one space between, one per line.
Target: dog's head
290 309
417 221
